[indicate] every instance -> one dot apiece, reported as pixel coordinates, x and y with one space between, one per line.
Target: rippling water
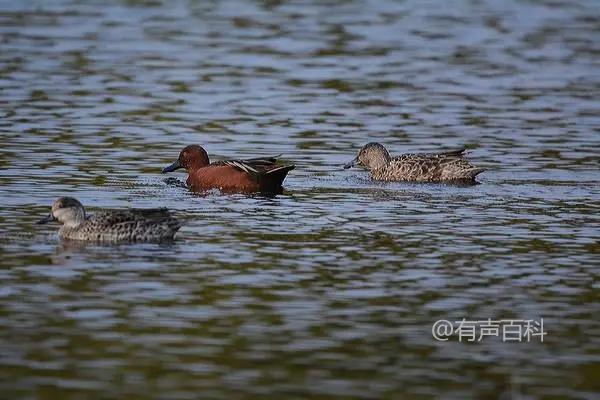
331 289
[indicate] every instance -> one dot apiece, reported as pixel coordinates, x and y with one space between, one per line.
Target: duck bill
173 167
46 219
351 163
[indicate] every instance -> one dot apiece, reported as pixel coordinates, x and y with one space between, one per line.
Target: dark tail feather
473 172
279 173
455 153
272 180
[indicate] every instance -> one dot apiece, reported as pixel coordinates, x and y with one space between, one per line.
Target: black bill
46 219
173 167
351 163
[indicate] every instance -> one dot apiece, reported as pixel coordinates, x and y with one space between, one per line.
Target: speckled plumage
130 225
424 167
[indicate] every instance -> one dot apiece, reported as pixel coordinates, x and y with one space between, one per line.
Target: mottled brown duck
129 225
423 167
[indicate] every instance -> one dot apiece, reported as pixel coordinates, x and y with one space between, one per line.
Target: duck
254 175
128 225
421 167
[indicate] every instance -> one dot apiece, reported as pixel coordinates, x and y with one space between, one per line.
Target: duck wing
452 153
432 167
130 225
452 166
263 160
111 217
416 166
254 166
457 169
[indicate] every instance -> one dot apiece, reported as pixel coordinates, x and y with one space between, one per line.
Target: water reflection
331 288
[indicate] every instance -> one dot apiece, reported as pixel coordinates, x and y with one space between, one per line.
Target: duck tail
473 172
279 173
454 153
272 180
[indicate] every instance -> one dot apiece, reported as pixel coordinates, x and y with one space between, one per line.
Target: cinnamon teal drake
129 225
425 167
253 175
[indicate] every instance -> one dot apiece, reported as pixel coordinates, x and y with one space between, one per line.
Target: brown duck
261 174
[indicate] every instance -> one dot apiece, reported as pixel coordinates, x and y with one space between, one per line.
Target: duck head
66 210
372 156
190 158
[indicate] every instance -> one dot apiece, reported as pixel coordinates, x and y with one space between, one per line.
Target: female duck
230 176
146 225
436 167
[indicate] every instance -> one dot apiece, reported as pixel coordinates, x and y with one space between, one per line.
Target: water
329 290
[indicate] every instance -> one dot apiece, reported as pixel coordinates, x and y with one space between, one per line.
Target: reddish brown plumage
230 176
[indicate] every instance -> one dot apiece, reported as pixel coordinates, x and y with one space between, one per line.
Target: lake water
331 289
